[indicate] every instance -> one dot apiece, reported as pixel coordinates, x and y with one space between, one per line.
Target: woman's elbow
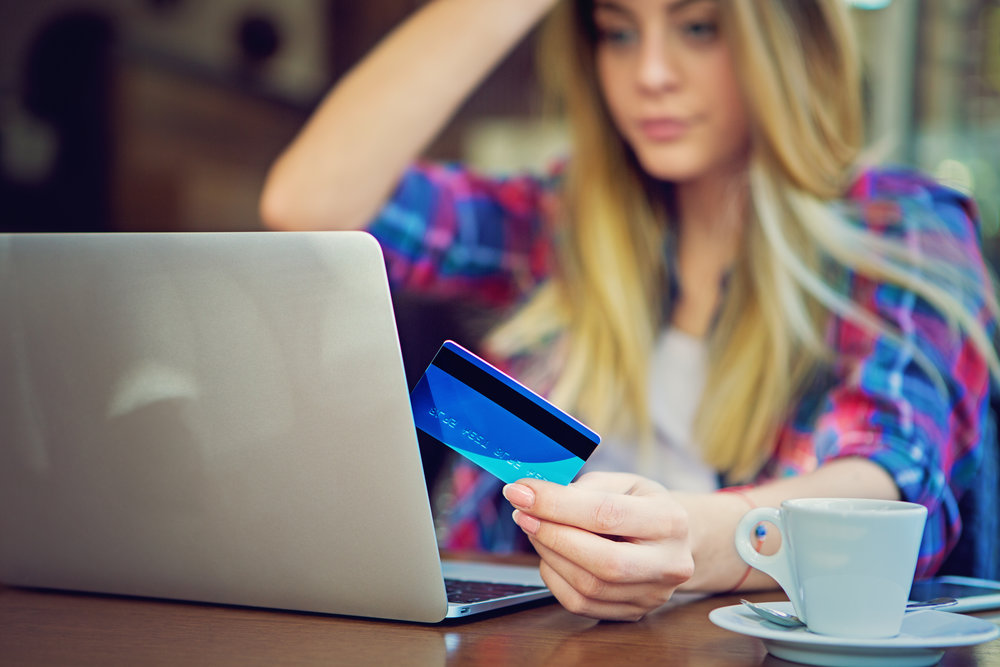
277 207
284 208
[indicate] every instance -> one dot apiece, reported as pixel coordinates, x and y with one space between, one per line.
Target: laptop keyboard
467 592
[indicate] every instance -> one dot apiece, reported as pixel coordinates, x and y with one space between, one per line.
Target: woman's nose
657 67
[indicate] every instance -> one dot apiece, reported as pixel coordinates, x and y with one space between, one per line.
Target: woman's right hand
377 120
613 545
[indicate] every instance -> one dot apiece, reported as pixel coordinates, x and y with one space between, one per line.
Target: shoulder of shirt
880 198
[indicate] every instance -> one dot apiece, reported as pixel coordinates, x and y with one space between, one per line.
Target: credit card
496 422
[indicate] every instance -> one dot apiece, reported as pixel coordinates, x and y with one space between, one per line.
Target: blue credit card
497 423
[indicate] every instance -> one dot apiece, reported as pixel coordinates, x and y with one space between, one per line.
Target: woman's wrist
713 519
760 531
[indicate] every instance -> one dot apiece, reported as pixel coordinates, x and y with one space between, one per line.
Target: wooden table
52 628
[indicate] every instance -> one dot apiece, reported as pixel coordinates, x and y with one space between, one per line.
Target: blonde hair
597 318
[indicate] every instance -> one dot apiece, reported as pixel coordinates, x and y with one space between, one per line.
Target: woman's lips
663 129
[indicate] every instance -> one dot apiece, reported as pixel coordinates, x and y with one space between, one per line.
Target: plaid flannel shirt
451 232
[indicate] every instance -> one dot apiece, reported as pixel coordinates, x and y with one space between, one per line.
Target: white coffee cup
845 563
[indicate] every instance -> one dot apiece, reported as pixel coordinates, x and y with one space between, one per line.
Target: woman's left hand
613 546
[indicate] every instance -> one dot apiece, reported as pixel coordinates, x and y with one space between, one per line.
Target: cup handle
776 565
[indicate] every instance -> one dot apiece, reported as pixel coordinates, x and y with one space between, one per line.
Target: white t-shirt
677 378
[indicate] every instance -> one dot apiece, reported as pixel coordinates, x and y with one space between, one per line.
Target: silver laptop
217 417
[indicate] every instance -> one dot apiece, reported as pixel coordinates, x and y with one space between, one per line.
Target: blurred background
163 115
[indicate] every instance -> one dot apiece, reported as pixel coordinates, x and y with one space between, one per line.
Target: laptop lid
218 417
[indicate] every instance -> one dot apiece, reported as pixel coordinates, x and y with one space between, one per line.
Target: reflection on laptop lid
219 417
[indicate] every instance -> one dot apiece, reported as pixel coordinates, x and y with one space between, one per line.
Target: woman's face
667 76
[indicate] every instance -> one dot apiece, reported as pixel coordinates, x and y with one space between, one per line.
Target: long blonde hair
592 326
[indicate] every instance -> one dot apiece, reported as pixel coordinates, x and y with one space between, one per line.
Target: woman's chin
668 173
678 168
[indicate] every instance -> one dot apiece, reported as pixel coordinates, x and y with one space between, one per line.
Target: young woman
712 280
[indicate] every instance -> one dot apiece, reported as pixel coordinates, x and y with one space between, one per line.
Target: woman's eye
701 30
617 36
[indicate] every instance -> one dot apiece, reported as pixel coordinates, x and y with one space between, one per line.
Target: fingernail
519 495
528 523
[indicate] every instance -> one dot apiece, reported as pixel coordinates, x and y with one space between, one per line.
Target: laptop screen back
213 417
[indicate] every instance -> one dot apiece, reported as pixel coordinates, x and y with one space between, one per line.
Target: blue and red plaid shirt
450 232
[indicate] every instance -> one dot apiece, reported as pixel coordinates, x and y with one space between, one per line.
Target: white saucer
921 641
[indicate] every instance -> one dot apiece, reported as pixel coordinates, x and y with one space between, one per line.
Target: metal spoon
791 621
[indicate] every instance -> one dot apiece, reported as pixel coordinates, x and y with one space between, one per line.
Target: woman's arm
714 518
382 114
617 546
